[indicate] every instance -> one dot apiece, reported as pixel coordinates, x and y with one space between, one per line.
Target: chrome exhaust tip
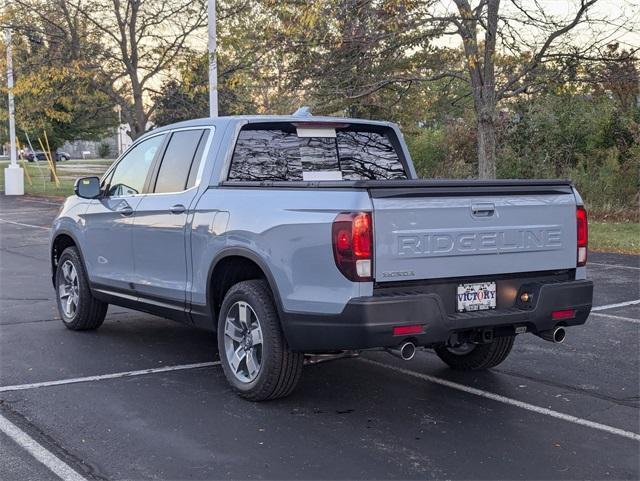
404 351
556 335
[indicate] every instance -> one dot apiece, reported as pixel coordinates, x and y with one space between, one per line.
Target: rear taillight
582 235
352 238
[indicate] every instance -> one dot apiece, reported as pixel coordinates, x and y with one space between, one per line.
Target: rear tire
481 356
253 352
78 309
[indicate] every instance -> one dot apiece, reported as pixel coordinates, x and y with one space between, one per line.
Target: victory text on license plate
476 297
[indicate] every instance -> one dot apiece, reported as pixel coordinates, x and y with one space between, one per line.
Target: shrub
444 152
427 152
584 138
608 185
104 150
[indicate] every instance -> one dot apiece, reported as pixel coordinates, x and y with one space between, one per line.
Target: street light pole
13 175
213 62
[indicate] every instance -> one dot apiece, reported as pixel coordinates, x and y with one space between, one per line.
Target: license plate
476 297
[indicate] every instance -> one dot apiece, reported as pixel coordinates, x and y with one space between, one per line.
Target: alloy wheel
243 342
69 289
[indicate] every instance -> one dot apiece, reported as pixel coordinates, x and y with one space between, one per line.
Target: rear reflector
563 314
407 330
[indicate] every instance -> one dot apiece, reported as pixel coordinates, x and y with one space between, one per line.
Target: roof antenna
303 111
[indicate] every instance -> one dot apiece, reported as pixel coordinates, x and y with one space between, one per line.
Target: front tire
476 357
253 352
78 309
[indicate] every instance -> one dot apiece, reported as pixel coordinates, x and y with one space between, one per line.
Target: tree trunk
486 148
486 130
482 80
139 126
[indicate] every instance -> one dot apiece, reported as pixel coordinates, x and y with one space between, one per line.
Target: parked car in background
59 155
300 237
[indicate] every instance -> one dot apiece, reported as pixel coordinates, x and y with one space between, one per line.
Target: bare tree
480 60
130 46
525 30
507 47
142 41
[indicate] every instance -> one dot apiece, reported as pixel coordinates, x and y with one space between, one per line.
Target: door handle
126 210
177 209
483 210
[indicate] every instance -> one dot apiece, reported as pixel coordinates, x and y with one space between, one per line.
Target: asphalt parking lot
144 398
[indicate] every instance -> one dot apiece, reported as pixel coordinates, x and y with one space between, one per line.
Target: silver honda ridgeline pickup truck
301 238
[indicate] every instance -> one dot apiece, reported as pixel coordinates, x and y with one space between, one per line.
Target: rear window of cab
288 153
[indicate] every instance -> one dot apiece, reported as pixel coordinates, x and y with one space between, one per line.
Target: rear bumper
368 322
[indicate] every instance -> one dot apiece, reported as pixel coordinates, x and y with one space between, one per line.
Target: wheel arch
62 240
233 265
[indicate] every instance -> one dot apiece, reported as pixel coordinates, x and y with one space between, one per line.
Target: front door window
131 172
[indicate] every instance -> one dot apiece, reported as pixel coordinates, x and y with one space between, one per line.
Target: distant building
116 143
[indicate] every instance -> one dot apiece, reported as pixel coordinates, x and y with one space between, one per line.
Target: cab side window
177 161
131 172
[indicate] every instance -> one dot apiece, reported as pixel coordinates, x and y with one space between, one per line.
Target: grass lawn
67 173
623 237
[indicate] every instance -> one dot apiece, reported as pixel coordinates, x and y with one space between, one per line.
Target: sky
630 9
626 32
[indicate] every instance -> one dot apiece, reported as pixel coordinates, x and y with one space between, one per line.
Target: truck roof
235 119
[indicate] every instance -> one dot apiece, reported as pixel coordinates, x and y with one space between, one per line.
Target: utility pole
13 175
213 62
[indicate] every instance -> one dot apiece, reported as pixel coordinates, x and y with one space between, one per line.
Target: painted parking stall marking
616 266
512 402
24 212
101 377
39 452
617 304
4 221
57 204
426 377
617 318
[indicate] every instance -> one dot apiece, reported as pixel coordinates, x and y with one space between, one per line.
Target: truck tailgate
472 229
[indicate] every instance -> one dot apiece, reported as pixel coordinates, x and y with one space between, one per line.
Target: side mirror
87 187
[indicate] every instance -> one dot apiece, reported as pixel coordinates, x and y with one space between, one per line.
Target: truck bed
430 229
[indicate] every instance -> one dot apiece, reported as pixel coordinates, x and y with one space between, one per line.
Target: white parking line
425 377
22 212
41 202
617 266
100 377
618 318
24 225
35 449
619 304
510 401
